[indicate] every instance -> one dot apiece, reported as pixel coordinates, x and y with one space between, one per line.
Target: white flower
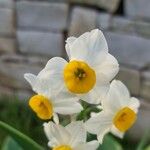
71 137
89 71
118 115
46 104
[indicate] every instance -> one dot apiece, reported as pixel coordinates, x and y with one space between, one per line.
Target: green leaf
10 144
147 148
144 140
110 143
25 142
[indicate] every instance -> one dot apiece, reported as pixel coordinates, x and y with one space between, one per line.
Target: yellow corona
124 119
79 77
62 147
41 106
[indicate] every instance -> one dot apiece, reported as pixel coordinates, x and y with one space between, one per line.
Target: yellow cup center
41 106
79 77
62 147
124 119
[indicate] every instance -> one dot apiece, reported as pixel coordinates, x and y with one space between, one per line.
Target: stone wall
33 31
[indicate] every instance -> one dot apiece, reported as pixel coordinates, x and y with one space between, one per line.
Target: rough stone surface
7 45
6 21
7 4
45 43
5 91
145 85
137 8
143 121
130 26
110 5
83 20
145 90
48 16
103 21
129 50
123 24
13 77
131 78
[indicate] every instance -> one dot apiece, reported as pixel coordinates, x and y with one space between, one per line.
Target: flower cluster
87 76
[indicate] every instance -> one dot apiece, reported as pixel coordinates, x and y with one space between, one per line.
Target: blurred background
33 31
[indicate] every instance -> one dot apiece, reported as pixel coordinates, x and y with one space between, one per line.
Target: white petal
55 118
67 106
56 133
100 124
107 70
96 94
93 145
52 74
69 41
89 45
117 97
100 136
116 132
77 132
38 86
31 78
134 104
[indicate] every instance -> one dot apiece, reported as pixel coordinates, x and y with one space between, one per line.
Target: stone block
82 20
145 85
7 45
6 22
122 24
103 21
7 4
137 8
132 51
131 78
110 5
141 126
131 26
12 71
42 43
42 15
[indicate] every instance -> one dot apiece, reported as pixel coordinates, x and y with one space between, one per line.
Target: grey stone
43 15
137 8
5 91
7 4
7 45
103 21
131 78
131 26
6 22
145 84
43 43
82 20
142 28
12 72
122 24
145 90
142 124
110 5
129 50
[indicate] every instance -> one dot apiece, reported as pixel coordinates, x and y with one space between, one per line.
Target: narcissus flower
118 115
71 137
89 70
46 104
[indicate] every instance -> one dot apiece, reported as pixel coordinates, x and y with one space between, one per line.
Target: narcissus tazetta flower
118 115
71 137
46 104
89 70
